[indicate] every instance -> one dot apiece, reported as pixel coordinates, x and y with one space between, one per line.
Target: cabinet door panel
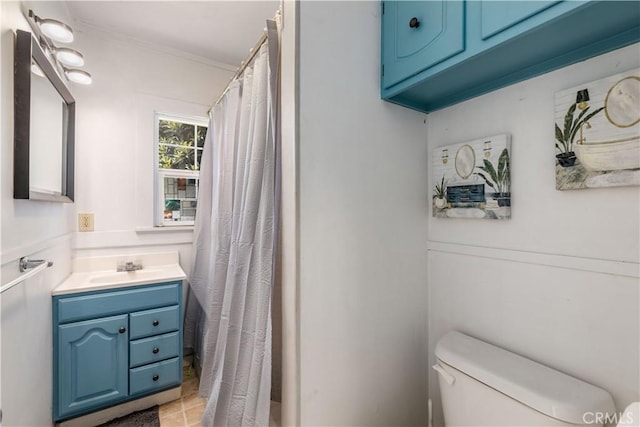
92 364
498 16
408 49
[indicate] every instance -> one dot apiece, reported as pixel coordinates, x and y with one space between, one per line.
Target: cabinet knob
156 323
122 329
155 350
414 23
156 377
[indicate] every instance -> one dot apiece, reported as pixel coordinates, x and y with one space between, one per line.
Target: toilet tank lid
542 388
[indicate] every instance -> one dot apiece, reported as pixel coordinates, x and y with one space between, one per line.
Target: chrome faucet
129 266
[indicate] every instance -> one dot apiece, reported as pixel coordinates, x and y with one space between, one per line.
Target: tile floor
274 415
187 411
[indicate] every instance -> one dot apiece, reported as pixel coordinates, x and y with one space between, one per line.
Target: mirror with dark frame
44 126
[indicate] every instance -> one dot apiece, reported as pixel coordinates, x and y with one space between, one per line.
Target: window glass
179 151
180 197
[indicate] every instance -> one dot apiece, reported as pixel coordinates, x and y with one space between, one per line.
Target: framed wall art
597 133
473 179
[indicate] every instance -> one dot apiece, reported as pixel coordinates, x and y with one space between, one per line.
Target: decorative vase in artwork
503 199
440 202
566 159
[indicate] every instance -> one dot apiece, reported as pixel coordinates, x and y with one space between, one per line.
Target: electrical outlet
85 222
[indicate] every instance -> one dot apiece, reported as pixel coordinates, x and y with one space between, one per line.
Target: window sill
164 229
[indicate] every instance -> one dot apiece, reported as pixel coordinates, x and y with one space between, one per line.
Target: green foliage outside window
180 145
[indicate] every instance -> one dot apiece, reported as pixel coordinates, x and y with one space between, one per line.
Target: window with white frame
179 144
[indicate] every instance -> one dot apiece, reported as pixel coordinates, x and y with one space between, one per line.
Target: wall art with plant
597 133
473 179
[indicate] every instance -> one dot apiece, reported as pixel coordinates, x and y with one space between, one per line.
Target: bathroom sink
126 276
99 273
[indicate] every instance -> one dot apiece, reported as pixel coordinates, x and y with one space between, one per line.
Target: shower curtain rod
243 65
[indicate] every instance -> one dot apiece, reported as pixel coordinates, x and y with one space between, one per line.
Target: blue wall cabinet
420 35
462 49
115 345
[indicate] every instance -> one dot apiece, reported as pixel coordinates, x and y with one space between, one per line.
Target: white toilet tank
484 385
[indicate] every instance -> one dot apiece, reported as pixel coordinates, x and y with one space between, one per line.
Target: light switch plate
85 222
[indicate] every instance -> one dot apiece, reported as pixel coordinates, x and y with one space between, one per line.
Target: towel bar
29 267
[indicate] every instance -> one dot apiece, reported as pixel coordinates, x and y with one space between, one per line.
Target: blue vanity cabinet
462 49
115 345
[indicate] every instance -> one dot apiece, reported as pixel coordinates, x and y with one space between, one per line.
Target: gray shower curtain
234 246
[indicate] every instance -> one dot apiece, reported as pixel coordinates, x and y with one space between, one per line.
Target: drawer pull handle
156 377
155 350
122 329
156 323
414 23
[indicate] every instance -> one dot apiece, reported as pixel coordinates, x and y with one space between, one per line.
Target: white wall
362 229
26 372
114 138
23 222
29 228
1 180
290 396
558 282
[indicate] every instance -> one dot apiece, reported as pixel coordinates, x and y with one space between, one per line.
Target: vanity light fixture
54 29
445 156
35 69
77 76
487 149
582 99
67 56
66 59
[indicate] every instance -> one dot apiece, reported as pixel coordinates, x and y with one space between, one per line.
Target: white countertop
100 273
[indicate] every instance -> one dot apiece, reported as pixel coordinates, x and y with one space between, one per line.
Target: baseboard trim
101 417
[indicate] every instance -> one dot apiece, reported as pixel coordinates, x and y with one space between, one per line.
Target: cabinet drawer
155 376
154 322
99 304
154 349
